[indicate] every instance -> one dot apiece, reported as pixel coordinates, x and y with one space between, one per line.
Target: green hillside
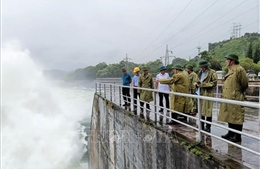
239 46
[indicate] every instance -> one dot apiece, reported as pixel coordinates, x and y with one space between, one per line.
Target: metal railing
113 92
217 94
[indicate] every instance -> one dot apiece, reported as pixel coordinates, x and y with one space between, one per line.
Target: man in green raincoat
180 83
235 84
205 87
193 81
145 81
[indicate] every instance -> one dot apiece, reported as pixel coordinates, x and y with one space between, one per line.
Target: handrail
242 103
246 96
199 129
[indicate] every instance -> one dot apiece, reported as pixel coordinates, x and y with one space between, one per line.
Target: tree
205 55
195 59
112 70
249 65
249 53
101 66
256 56
179 61
91 72
154 66
214 64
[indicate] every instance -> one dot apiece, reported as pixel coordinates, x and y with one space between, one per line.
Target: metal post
119 95
155 107
217 95
104 90
111 93
96 87
259 101
100 88
217 91
132 98
114 92
199 118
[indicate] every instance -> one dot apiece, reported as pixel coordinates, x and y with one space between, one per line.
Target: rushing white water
41 122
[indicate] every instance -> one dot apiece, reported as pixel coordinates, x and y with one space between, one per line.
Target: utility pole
233 31
236 30
167 60
198 47
126 62
166 56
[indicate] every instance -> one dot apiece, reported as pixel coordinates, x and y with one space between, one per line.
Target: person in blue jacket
126 81
135 84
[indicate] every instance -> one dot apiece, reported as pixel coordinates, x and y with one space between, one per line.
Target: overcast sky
71 34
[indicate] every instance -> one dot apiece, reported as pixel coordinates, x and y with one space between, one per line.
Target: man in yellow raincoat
206 84
193 80
180 83
235 84
145 81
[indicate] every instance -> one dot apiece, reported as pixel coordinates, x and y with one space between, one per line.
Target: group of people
187 81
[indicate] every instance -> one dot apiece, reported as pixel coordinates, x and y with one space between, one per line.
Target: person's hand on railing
198 84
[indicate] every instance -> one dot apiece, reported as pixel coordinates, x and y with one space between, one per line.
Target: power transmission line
188 39
126 59
216 20
188 24
170 9
204 27
201 29
235 30
180 52
166 27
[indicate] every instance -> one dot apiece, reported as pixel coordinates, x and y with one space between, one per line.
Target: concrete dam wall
119 139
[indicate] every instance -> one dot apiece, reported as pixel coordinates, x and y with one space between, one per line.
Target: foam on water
40 122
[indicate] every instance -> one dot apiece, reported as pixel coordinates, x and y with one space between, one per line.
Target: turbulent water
43 123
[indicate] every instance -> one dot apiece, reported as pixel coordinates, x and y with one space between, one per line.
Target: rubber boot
202 123
185 119
229 133
141 109
148 107
174 116
237 137
129 102
208 126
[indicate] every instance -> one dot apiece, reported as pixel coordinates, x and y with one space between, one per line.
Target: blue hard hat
162 68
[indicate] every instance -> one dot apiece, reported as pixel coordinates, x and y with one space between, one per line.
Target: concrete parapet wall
120 140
